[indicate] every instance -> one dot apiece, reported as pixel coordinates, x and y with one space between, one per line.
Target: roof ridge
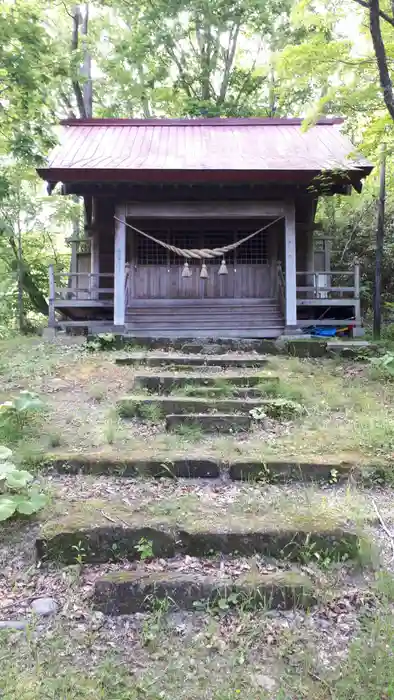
210 121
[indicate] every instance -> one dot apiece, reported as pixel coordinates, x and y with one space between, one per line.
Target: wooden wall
162 282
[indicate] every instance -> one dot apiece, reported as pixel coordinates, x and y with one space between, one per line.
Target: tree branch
382 14
381 57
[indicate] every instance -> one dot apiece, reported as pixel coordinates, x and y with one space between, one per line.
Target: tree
382 46
192 57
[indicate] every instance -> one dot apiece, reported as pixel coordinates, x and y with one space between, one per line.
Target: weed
54 439
258 413
18 416
155 622
265 475
334 476
191 433
150 412
80 553
110 430
207 391
97 392
102 341
144 549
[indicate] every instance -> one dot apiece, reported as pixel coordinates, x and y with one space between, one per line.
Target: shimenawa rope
200 253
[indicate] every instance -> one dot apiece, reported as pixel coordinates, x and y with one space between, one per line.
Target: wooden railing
79 286
75 288
330 284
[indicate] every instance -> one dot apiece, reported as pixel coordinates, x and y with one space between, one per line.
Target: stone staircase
274 539
210 401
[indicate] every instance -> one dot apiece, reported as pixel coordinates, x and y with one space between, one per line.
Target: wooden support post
94 265
291 278
51 304
119 266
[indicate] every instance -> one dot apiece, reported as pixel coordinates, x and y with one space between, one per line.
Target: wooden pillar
119 265
51 300
94 265
290 259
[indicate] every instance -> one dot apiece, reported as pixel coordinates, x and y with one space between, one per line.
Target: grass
228 658
348 415
189 433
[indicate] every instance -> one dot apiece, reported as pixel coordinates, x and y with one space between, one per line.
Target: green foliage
18 415
17 496
192 58
102 341
145 549
277 408
383 366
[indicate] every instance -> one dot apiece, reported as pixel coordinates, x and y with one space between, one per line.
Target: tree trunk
21 313
76 15
379 248
381 57
87 66
34 293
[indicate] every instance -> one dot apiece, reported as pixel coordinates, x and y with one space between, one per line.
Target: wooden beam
290 258
205 210
119 265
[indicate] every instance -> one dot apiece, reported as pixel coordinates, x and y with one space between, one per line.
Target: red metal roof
259 145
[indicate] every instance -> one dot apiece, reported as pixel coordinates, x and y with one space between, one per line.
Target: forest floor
331 649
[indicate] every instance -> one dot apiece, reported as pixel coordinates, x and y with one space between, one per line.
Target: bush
383 367
17 496
17 415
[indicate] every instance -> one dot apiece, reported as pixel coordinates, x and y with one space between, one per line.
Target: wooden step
204 302
235 333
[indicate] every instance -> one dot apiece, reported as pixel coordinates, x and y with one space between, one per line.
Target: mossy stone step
126 592
160 406
101 531
209 422
166 383
267 471
175 360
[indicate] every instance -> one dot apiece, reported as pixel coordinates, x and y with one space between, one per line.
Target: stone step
218 392
144 407
209 422
166 383
190 360
109 530
125 592
268 471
